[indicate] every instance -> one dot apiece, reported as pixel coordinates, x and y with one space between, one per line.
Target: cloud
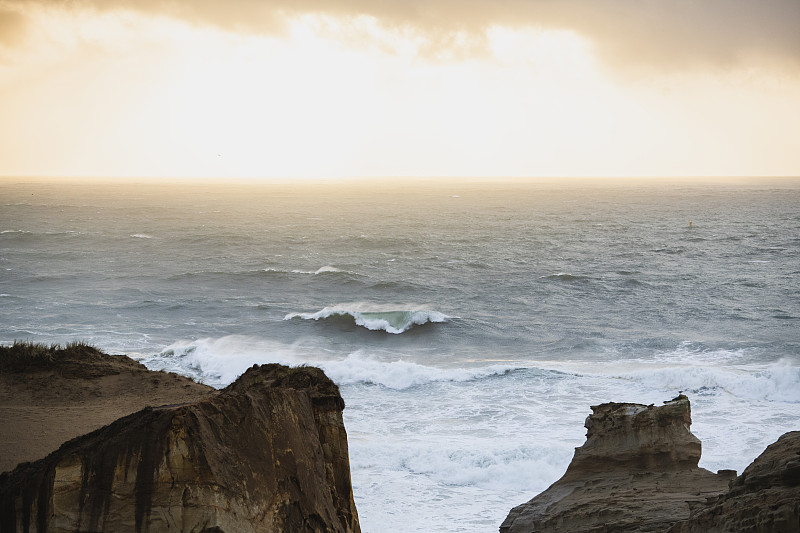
672 34
12 26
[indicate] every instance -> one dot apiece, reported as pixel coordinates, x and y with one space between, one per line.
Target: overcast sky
320 88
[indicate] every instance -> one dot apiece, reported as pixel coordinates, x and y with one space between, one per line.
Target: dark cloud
671 33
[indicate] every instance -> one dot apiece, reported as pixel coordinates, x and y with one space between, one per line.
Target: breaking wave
400 375
322 270
779 381
376 318
219 361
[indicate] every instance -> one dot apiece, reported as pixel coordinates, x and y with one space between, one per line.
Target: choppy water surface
470 326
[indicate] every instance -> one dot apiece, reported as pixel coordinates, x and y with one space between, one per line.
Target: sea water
469 325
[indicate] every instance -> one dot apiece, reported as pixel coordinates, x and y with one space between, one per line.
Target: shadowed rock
267 454
764 499
637 471
52 394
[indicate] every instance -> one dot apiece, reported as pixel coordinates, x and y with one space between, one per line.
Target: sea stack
266 454
637 471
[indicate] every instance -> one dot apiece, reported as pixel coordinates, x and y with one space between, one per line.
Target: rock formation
764 499
51 394
637 471
267 454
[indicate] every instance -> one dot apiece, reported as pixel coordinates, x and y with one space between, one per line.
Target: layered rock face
69 392
267 454
637 471
637 438
764 499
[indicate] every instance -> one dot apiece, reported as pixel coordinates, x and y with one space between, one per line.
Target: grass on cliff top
23 356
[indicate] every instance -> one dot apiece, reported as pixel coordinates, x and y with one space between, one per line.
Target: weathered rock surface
267 454
637 471
764 499
73 391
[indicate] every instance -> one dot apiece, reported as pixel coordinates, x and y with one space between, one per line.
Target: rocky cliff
267 454
764 499
52 394
637 471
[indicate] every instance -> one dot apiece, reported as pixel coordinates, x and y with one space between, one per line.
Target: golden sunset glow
129 89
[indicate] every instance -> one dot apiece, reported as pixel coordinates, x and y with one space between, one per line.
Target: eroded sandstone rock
71 391
637 471
267 454
764 499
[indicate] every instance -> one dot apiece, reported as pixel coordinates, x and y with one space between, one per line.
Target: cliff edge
637 471
267 454
764 499
52 394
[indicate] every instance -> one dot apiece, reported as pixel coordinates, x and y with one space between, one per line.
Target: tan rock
637 471
78 390
764 499
267 454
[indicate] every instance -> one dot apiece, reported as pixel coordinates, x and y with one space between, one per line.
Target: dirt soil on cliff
43 406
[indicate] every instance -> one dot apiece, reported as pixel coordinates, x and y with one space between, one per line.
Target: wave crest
322 270
376 318
565 276
219 361
360 368
779 381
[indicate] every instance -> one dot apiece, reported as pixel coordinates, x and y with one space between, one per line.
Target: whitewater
469 325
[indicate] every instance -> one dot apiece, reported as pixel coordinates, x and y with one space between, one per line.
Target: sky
399 88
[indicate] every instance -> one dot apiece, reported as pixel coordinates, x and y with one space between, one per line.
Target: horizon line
165 179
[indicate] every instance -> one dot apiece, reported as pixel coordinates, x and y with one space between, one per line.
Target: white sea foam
325 269
776 382
321 270
737 409
218 362
359 367
141 236
709 373
377 317
690 353
490 464
499 433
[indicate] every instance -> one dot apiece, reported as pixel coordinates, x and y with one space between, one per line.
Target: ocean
470 325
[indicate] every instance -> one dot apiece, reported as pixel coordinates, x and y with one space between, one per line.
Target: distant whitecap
390 319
